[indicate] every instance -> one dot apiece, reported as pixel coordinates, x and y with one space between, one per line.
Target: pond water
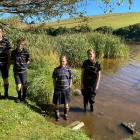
117 100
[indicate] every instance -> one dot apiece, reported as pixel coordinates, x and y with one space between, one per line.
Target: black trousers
89 95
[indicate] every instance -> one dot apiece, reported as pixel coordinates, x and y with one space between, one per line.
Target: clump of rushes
75 46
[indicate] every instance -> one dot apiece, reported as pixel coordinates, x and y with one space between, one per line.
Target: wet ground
117 100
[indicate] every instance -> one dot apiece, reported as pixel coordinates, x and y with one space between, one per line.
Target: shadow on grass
12 98
33 108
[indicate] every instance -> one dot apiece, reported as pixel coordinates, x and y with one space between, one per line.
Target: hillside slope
114 20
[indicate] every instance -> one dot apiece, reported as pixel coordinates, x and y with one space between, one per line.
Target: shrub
41 84
104 29
131 32
64 30
81 29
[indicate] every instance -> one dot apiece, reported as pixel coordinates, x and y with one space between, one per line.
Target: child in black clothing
90 79
5 48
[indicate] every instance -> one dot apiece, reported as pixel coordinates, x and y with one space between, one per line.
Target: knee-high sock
66 110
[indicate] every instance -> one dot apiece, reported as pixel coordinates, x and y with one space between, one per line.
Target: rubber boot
91 108
6 86
19 96
24 94
85 107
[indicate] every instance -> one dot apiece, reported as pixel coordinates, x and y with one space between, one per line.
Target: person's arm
70 77
98 79
70 83
28 58
9 53
11 61
54 81
54 77
82 75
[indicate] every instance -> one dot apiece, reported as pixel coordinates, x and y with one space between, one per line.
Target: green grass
113 20
135 137
17 121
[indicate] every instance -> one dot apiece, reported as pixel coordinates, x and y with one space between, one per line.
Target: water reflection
111 66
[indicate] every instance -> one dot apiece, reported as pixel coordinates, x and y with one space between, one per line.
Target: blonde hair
90 50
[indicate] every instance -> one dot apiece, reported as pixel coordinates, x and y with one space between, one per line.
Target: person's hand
97 87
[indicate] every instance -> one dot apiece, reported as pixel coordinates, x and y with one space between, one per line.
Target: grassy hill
114 20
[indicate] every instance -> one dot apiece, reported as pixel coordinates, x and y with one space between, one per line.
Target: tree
46 9
38 8
109 5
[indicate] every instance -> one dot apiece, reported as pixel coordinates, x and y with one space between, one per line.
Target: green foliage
76 45
64 30
81 29
41 87
135 137
73 46
131 32
76 77
105 29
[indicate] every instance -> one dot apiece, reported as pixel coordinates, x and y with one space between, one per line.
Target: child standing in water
62 79
90 79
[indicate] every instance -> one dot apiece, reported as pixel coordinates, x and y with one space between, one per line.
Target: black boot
6 86
91 108
19 96
66 110
57 115
85 107
24 94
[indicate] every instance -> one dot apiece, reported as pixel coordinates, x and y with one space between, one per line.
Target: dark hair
21 39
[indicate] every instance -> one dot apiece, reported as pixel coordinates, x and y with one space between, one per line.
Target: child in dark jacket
20 59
